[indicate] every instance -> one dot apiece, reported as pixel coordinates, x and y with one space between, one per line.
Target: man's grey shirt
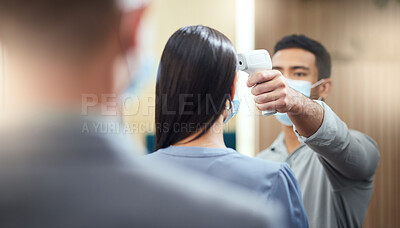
335 168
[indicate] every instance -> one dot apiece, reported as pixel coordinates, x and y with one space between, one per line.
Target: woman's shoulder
256 164
258 174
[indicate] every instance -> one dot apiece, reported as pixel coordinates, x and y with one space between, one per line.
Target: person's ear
130 24
325 88
233 87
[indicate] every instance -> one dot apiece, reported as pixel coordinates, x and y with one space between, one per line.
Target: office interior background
362 37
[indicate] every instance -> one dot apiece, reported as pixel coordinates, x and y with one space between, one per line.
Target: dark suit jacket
59 177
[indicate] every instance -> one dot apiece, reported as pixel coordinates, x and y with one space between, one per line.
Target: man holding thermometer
335 166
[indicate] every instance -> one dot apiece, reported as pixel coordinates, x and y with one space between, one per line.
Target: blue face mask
235 103
301 86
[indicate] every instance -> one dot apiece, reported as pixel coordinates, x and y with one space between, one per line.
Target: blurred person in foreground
334 165
56 168
196 94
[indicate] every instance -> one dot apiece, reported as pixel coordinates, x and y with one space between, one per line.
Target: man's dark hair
322 57
197 68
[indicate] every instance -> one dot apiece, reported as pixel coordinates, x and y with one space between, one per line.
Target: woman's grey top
274 182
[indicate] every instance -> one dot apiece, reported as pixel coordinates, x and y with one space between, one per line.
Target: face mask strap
230 105
317 83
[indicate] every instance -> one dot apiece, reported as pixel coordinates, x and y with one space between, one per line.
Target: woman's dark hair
322 57
195 76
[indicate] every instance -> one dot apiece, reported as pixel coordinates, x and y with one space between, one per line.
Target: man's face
297 64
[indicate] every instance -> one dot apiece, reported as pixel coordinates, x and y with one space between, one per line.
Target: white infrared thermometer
255 61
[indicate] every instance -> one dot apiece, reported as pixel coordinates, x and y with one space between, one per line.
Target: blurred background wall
364 40
2 82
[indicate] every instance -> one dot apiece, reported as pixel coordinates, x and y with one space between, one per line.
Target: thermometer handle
255 61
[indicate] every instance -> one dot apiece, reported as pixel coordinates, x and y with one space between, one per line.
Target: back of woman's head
197 70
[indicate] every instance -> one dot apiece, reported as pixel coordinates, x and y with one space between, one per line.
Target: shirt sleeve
286 191
351 153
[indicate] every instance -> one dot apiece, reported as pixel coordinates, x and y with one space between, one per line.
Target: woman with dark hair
196 89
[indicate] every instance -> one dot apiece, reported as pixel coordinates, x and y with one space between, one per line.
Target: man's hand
272 92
